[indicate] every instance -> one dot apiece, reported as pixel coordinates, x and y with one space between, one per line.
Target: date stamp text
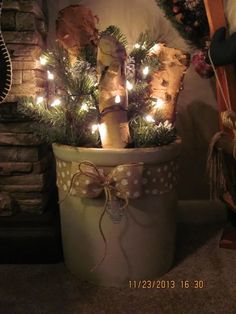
166 284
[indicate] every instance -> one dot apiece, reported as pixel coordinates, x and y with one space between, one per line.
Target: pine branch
192 24
53 124
115 32
141 48
88 54
139 102
148 134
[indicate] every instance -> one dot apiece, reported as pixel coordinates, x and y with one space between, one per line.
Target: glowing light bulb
146 71
156 48
43 60
50 75
129 85
39 100
56 103
103 131
149 118
117 99
137 46
95 128
84 107
159 103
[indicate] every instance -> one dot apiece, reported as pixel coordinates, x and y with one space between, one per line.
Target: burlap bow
123 182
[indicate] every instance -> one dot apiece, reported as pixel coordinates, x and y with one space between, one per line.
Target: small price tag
115 210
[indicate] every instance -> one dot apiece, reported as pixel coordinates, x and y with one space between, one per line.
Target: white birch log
113 98
166 82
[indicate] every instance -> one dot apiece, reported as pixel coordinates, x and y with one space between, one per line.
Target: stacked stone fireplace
25 162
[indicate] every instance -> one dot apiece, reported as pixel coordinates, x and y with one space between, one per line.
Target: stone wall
24 32
25 162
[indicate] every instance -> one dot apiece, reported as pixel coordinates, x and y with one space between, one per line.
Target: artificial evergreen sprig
78 82
189 18
57 124
70 113
115 32
147 133
141 49
144 62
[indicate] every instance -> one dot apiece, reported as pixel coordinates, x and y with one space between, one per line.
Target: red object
176 9
228 239
201 67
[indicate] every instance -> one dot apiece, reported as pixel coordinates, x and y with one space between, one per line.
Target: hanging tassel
215 164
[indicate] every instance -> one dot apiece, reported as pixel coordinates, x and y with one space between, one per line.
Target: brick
27 89
29 75
25 37
24 58
25 21
30 84
32 207
23 188
22 153
17 77
37 201
11 168
32 7
11 5
30 179
9 154
27 58
29 93
25 65
8 22
9 113
19 139
8 110
15 127
25 52
7 204
29 195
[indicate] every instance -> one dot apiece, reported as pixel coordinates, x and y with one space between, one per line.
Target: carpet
49 289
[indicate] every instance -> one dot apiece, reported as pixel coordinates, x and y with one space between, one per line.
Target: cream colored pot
139 247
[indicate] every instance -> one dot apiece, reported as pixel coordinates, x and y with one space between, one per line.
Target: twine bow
123 182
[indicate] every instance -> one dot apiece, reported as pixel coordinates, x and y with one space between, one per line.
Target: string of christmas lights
69 113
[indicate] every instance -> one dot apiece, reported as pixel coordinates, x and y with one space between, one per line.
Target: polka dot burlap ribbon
155 179
89 181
